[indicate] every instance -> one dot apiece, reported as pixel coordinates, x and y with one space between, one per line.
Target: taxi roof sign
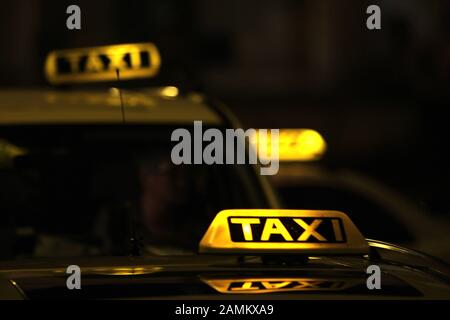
95 64
293 144
274 231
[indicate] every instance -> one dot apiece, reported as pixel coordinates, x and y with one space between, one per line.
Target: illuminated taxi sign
134 61
253 231
293 144
261 285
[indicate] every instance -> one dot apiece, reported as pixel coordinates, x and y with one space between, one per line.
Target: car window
86 190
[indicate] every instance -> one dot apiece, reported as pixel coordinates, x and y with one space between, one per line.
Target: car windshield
86 190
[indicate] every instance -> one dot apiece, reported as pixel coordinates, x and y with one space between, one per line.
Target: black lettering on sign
286 229
94 63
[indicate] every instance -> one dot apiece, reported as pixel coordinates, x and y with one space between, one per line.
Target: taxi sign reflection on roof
254 231
134 61
261 285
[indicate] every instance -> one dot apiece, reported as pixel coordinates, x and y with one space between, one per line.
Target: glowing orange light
293 144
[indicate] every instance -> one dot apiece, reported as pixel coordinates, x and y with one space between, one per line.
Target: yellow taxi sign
293 144
262 285
261 231
94 64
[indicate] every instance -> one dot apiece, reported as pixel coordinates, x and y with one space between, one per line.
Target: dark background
379 97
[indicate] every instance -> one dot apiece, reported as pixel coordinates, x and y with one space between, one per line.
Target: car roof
103 106
197 277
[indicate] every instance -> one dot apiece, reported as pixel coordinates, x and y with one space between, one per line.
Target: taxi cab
307 180
262 254
84 169
87 180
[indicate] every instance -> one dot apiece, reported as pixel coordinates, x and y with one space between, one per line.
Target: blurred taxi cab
83 170
304 181
87 180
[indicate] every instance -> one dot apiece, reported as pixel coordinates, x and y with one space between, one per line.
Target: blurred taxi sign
94 64
293 144
273 231
261 285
